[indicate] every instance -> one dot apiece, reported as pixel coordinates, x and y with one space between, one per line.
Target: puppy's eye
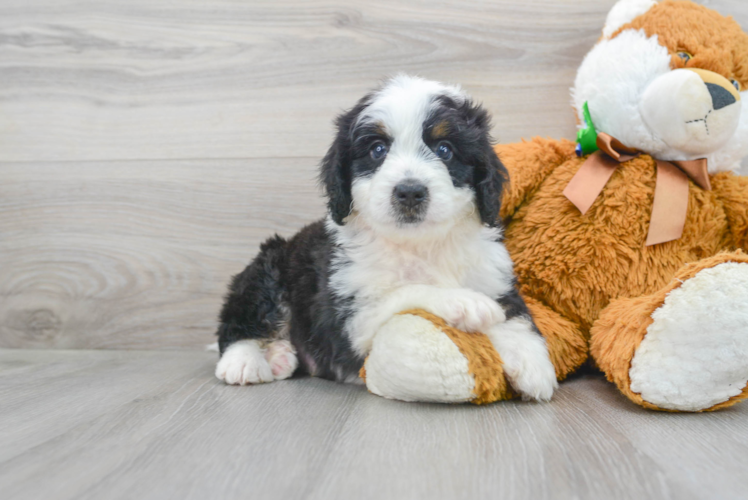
443 151
378 151
684 55
735 84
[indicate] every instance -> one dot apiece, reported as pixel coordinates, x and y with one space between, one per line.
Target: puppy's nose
410 193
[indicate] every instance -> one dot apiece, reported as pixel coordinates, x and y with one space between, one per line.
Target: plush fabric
715 42
622 326
417 356
607 289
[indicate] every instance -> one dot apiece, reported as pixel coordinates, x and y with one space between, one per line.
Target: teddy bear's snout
692 110
722 91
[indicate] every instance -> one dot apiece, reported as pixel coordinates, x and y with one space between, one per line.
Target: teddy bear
628 244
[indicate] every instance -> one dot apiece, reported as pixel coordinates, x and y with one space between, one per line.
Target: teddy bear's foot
685 347
417 356
695 352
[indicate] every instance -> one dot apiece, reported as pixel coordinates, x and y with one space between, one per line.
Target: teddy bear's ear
624 12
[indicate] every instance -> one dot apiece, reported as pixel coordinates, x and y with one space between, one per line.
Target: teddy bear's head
669 79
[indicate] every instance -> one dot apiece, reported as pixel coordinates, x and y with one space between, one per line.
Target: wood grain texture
147 148
137 254
226 79
115 424
118 80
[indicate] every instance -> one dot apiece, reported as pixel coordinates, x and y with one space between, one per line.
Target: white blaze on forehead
404 103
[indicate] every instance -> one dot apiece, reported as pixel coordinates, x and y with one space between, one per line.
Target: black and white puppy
413 188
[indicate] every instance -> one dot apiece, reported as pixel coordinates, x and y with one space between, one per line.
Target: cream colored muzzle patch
413 360
710 77
694 111
416 356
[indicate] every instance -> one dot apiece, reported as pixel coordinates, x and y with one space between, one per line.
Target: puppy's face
413 159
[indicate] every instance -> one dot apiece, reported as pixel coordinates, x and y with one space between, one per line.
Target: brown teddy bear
628 244
636 248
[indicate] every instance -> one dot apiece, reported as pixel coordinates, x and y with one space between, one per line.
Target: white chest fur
368 266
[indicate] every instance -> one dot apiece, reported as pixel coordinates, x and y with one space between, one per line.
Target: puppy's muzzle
410 199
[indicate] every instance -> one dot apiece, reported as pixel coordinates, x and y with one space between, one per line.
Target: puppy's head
413 158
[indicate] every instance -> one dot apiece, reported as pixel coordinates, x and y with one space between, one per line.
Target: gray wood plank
139 79
137 254
688 443
107 424
71 388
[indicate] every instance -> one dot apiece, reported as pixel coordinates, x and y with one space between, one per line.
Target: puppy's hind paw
244 363
281 356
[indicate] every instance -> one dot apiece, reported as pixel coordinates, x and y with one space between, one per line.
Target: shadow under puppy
413 187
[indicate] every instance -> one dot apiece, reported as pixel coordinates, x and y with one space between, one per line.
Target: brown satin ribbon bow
671 189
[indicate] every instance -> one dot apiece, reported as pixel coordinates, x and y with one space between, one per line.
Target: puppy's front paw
532 380
525 358
471 311
244 363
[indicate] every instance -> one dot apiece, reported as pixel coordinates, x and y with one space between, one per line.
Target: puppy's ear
490 173
489 182
335 169
335 177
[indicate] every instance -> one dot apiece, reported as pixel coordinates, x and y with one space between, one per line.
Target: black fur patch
466 128
364 138
318 316
337 166
293 276
252 309
513 304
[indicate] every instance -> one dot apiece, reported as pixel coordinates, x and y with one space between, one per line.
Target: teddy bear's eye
685 56
735 84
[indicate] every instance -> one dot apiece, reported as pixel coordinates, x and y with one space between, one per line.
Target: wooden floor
148 147
157 425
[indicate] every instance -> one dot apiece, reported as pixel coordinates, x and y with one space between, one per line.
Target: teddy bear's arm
733 191
528 164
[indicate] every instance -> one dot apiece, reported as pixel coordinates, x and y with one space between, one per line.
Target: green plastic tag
587 137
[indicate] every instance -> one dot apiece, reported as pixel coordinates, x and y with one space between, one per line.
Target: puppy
413 191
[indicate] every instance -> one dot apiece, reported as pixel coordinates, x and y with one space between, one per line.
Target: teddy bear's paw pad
244 363
695 353
281 356
471 311
525 358
413 360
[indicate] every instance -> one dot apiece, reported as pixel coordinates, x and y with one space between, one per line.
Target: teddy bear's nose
721 97
721 90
